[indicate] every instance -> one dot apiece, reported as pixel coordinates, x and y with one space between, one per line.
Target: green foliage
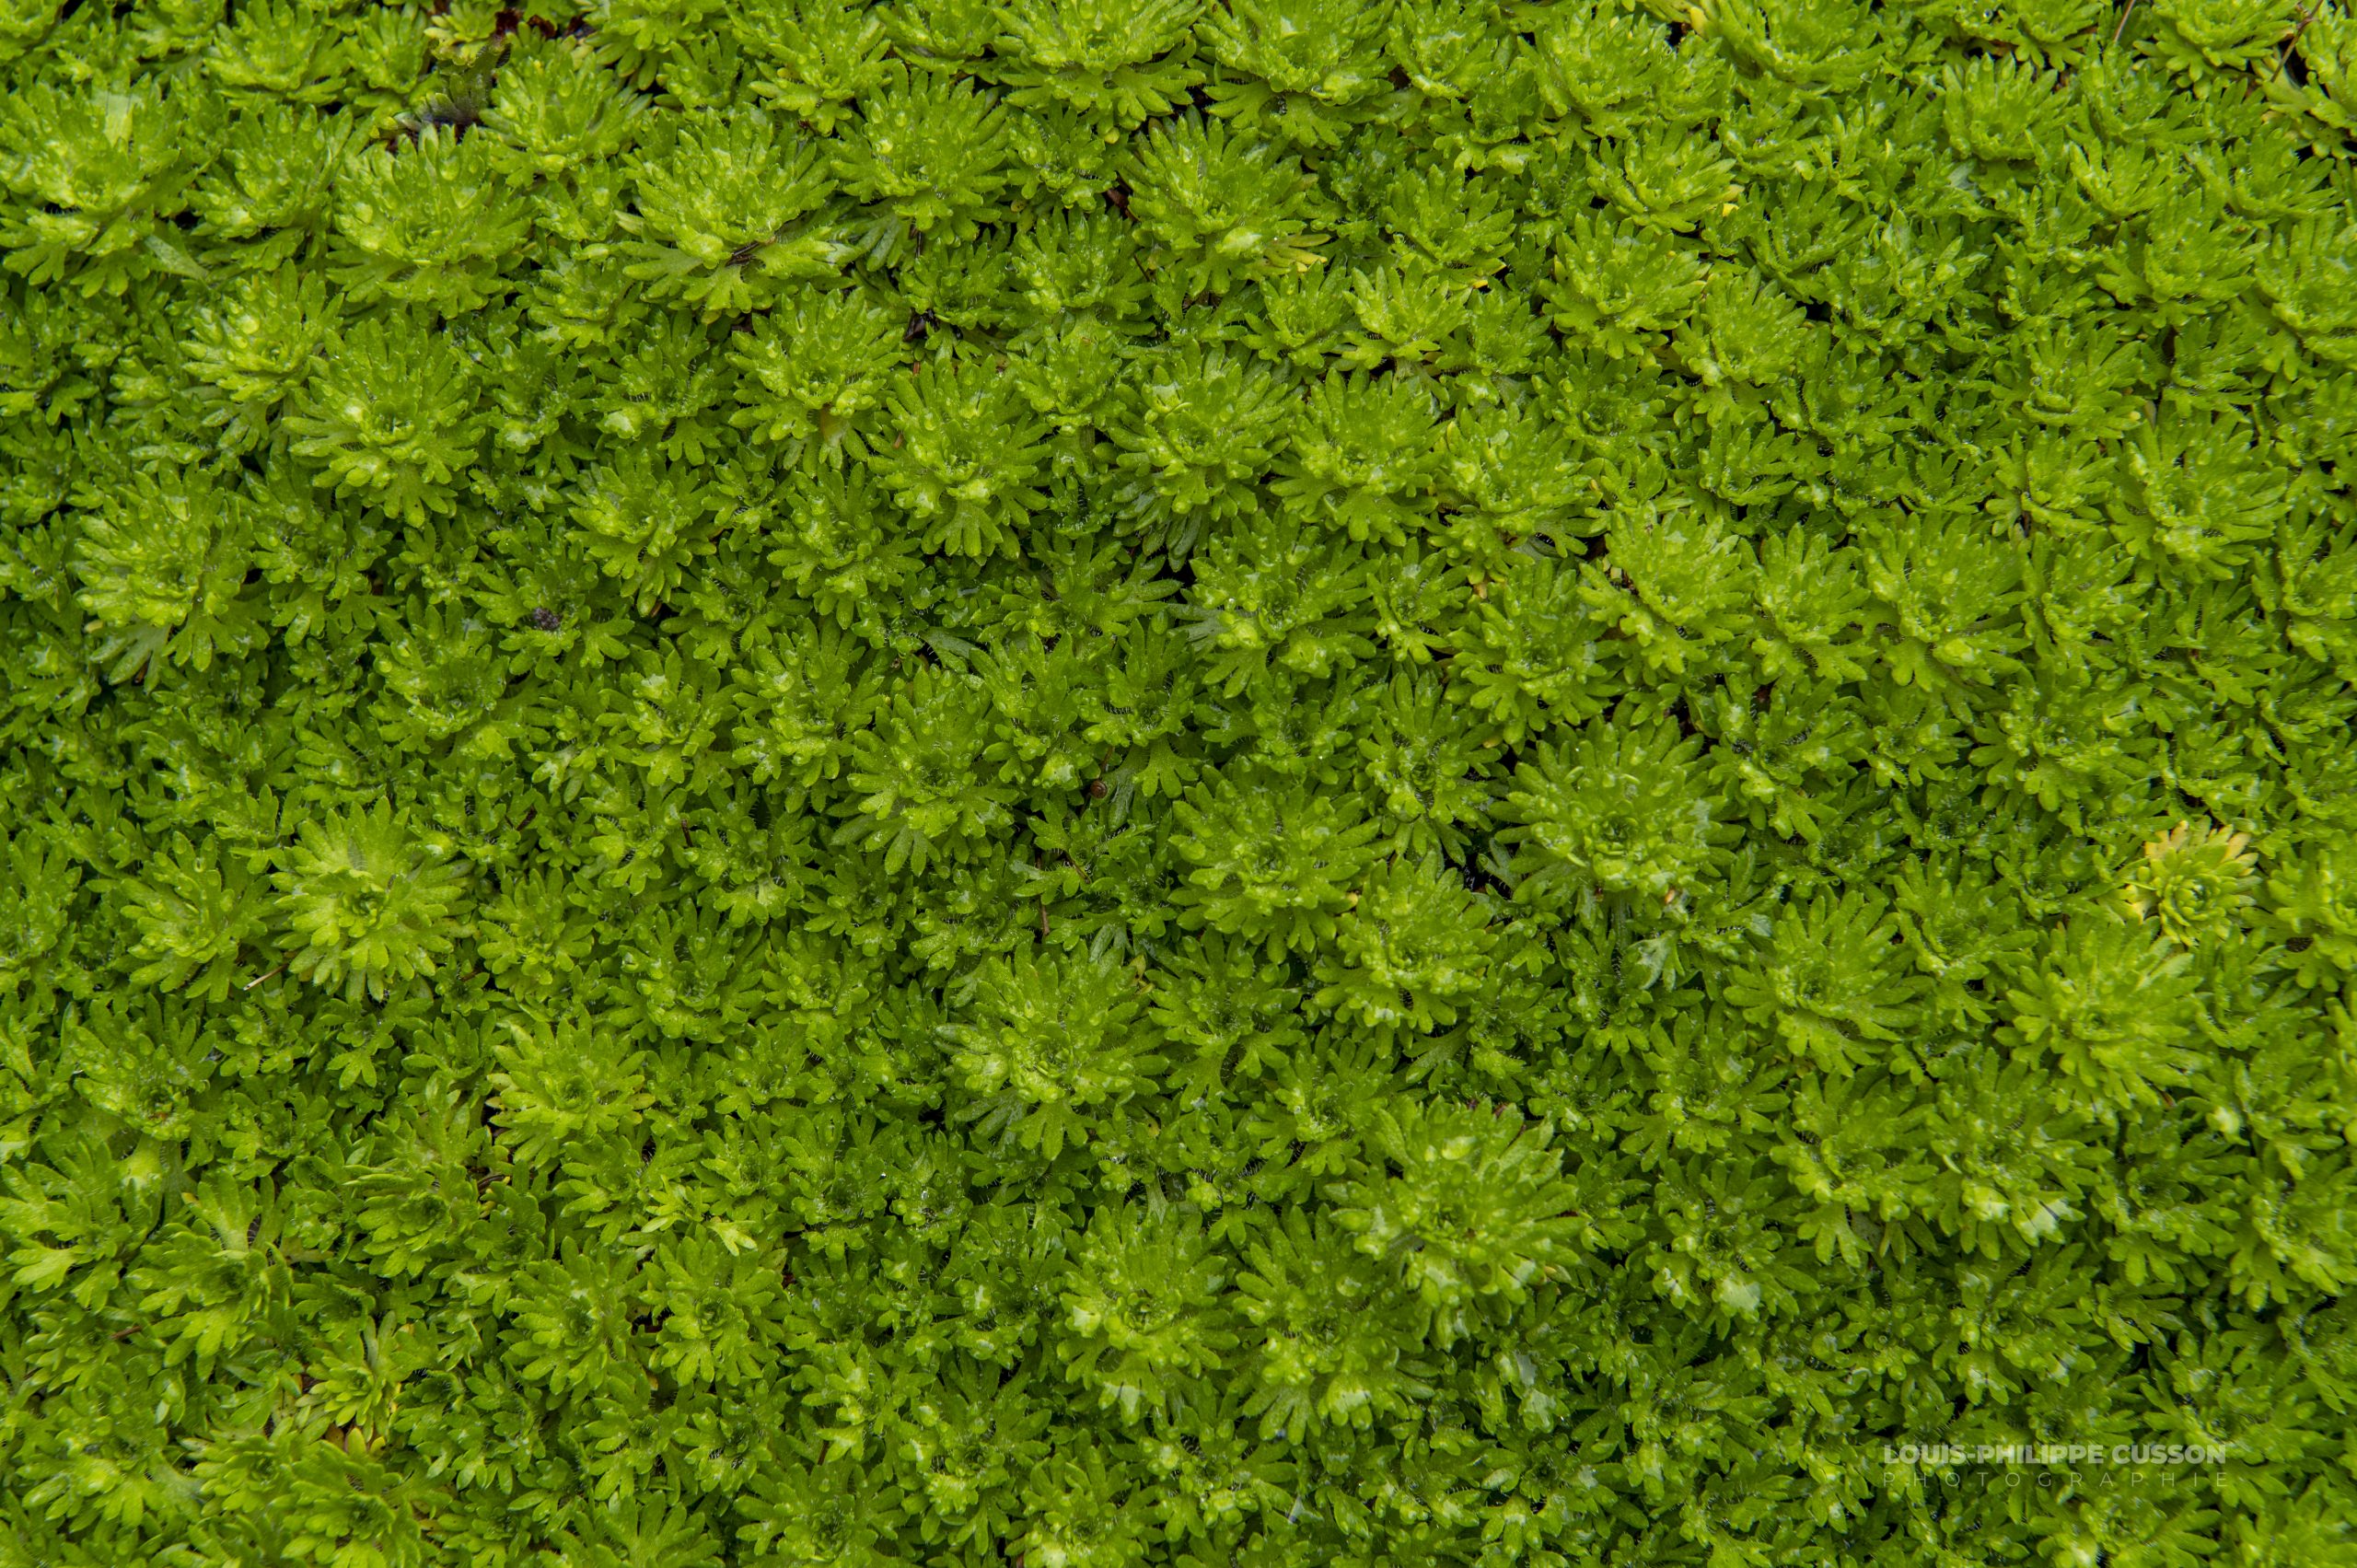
1053 1047
1618 812
367 903
1472 1206
1112 782
390 416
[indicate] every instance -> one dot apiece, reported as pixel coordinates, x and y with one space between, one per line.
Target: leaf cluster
1115 782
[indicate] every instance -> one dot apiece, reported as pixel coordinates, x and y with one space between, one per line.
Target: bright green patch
1089 782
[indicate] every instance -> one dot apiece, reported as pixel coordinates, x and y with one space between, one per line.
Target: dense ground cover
1100 782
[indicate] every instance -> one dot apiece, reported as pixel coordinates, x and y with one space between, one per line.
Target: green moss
1097 784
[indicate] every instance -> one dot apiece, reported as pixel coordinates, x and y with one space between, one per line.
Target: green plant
1117 782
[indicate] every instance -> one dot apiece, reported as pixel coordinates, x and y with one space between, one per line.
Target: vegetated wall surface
1104 782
